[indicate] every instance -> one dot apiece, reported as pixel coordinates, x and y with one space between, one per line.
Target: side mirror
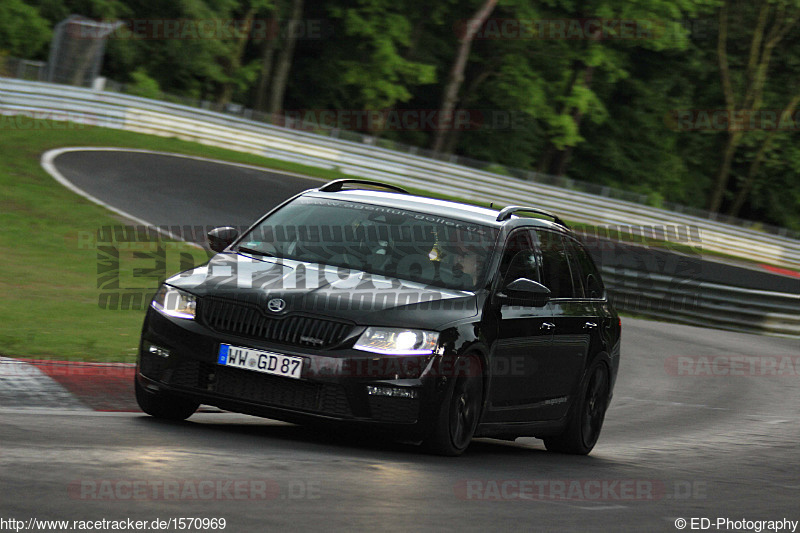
221 238
528 291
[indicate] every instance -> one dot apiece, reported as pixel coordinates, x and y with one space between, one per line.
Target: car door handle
590 325
547 326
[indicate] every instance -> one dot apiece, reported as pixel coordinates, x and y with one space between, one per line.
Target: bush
143 85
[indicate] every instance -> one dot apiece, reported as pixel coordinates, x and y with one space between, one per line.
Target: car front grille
399 410
247 320
323 398
152 366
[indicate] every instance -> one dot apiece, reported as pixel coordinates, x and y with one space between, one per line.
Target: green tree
456 76
603 51
743 86
378 72
23 31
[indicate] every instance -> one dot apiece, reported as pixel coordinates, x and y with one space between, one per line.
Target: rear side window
592 283
556 273
577 280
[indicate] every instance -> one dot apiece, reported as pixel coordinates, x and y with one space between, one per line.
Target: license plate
259 361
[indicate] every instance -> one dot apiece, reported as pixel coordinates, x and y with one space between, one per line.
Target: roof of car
445 208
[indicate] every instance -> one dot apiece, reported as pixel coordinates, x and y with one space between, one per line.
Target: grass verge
48 281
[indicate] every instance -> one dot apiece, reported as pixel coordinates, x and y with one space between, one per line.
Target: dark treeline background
596 107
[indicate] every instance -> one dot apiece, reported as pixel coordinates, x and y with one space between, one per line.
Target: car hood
323 290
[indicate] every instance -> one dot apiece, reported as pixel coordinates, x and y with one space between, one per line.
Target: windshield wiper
253 251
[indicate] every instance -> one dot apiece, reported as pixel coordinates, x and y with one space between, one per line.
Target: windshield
419 247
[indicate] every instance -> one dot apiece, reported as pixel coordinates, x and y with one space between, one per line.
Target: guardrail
161 118
702 303
36 70
708 304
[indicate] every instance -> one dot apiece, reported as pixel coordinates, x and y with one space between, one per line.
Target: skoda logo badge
276 305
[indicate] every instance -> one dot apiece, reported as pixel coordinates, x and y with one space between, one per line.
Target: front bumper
333 385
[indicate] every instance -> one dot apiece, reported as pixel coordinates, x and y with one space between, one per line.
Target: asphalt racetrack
184 193
704 424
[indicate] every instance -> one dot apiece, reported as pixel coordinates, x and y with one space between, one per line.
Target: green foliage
378 71
497 169
143 85
603 104
23 31
55 303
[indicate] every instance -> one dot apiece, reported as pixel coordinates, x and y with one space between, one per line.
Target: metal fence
701 303
210 127
713 305
36 70
23 69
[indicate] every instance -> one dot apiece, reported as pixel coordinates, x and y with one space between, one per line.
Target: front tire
460 411
163 405
586 415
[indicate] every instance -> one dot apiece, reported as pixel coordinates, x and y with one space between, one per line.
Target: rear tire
586 415
164 405
460 411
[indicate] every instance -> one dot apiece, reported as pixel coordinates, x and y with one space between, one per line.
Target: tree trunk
551 152
452 141
260 103
456 77
562 157
235 61
755 166
765 39
452 136
715 202
547 158
281 77
744 191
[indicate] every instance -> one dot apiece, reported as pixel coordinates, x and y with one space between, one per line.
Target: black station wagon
359 303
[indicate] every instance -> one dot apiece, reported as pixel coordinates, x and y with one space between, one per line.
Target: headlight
397 341
174 302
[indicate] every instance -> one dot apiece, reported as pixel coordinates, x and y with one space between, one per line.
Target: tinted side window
556 274
592 283
519 259
577 278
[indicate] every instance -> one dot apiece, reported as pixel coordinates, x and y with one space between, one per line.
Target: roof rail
506 213
338 185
